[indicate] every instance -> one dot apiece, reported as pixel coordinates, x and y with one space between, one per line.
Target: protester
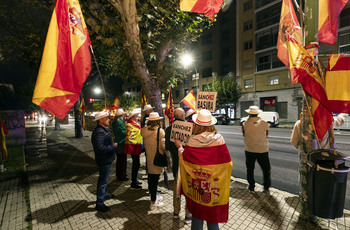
119 137
147 109
104 148
179 115
256 144
133 146
149 133
205 166
189 115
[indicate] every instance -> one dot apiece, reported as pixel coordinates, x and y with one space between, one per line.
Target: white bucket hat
119 112
189 112
204 118
100 115
147 107
154 116
253 110
133 113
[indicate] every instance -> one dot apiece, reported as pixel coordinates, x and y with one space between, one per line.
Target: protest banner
181 131
206 100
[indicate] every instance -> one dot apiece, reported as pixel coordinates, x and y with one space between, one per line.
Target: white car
270 117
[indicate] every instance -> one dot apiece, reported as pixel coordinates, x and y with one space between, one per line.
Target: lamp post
187 60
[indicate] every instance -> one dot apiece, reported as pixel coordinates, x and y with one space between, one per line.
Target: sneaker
188 220
251 191
159 199
135 187
138 182
267 192
108 197
175 216
102 208
156 205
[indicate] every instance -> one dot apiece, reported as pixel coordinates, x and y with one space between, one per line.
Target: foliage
128 102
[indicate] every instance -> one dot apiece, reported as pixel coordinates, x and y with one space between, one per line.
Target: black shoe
102 208
123 179
135 187
138 182
108 197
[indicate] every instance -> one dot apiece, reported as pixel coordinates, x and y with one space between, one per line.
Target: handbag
160 160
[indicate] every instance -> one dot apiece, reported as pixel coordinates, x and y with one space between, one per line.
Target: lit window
272 80
248 83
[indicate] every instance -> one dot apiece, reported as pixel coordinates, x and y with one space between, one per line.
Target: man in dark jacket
104 149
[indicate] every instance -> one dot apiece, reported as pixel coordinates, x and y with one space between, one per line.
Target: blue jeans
197 224
102 183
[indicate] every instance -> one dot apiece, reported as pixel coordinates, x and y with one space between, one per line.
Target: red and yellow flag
208 8
3 148
190 101
82 109
303 71
66 61
116 104
338 83
289 25
328 15
133 138
169 110
205 176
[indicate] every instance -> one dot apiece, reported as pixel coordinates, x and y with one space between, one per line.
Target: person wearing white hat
147 109
204 161
104 149
189 115
119 137
256 144
133 146
150 133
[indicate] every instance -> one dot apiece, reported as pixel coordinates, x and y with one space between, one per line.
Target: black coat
103 145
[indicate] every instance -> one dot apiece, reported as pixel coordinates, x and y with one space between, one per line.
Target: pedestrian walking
179 115
119 137
104 149
133 146
154 137
189 115
205 169
256 144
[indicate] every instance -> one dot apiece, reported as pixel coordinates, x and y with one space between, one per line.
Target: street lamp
186 61
97 90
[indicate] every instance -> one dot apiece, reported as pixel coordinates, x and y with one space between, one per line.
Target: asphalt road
283 157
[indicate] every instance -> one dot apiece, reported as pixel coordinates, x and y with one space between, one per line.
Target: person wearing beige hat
189 115
256 144
104 149
151 133
147 109
118 126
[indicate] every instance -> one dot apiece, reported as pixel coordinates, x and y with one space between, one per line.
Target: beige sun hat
100 115
147 107
154 116
253 110
189 112
119 112
133 113
204 118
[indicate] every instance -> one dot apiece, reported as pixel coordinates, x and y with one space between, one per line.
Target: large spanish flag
289 25
133 138
66 61
338 83
303 71
190 101
208 8
205 176
328 15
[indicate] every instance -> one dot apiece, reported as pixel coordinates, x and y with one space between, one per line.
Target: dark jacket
103 145
119 134
170 146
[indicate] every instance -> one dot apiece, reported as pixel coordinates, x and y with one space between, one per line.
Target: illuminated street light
97 90
186 61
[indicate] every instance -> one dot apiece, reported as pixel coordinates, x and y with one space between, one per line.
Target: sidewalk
63 177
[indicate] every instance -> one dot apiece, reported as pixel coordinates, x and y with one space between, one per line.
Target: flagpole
98 70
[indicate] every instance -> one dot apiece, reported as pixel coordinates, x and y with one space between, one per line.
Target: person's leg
102 184
121 166
250 164
135 168
175 163
176 200
197 224
152 185
212 226
264 162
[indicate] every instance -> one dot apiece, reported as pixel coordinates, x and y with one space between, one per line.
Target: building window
344 19
272 80
267 38
225 53
186 92
268 60
177 93
247 25
268 16
207 72
248 83
225 69
260 3
186 80
344 41
225 35
206 39
248 64
248 5
206 56
248 45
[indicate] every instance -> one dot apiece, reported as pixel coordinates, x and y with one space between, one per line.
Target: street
283 157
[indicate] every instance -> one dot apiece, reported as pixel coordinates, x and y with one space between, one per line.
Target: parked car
222 119
270 117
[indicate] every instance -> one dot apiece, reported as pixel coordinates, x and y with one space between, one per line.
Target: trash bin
327 176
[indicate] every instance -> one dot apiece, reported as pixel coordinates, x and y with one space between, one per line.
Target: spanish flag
82 109
328 15
169 110
289 25
208 8
3 133
190 101
338 83
205 176
133 138
66 61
